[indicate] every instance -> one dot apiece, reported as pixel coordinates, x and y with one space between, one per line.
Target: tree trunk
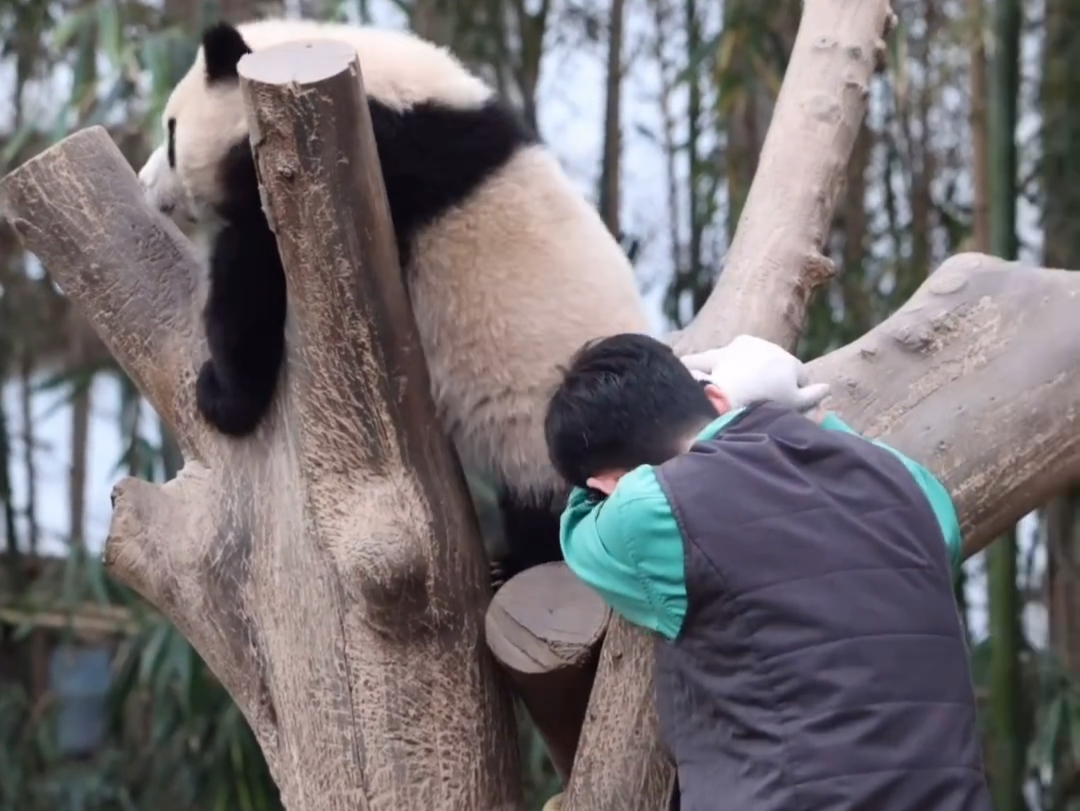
29 440
1061 221
610 199
329 569
980 213
80 434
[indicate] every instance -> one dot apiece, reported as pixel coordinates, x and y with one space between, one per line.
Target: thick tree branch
776 257
140 551
343 280
77 207
977 377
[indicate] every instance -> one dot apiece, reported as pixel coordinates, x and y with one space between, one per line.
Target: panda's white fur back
505 287
398 68
534 267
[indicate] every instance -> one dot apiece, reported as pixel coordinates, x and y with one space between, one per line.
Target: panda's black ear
223 45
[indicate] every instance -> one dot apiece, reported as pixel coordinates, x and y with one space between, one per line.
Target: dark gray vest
822 664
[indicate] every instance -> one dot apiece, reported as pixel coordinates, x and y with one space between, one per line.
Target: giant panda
508 268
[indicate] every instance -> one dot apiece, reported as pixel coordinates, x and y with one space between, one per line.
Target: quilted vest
822 664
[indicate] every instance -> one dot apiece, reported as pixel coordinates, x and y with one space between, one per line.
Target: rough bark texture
775 261
550 650
328 568
978 377
149 320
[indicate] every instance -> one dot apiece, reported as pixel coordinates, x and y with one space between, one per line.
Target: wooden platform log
544 627
328 568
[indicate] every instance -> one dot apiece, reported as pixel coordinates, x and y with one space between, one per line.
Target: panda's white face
204 117
202 121
163 188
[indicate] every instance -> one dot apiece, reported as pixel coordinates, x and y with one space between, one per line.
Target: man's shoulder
639 485
637 507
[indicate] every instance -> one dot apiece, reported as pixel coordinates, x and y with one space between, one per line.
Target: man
810 655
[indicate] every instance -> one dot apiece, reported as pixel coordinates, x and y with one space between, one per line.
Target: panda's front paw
229 412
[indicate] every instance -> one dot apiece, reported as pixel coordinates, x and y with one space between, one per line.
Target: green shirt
618 546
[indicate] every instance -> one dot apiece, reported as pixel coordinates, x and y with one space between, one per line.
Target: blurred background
658 109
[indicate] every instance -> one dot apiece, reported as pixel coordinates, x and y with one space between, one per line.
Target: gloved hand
750 370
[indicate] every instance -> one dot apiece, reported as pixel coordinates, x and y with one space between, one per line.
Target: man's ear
605 482
717 398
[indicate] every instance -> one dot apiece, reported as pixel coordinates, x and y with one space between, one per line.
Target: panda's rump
505 288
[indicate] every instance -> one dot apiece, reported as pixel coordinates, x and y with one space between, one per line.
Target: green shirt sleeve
935 492
628 548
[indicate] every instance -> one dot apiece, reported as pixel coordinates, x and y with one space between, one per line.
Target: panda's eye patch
172 143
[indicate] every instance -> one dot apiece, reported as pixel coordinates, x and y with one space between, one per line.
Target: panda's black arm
245 327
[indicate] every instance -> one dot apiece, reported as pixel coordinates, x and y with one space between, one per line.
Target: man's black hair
624 401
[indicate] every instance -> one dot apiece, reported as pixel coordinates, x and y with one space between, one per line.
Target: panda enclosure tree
329 568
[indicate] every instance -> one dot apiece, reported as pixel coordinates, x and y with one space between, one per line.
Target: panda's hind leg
531 535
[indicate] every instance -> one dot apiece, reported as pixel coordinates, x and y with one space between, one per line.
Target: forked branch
776 259
77 207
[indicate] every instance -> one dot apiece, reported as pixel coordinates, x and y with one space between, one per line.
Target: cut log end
545 628
299 63
544 620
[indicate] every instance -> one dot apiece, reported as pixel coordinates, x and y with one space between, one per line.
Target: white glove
751 370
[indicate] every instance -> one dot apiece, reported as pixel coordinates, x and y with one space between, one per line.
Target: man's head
625 401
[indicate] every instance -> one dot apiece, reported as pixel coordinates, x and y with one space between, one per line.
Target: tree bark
1061 245
980 210
776 260
610 165
1009 749
329 568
